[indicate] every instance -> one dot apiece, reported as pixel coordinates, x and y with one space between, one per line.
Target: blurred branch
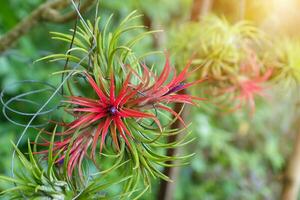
49 12
166 189
196 9
242 9
200 8
148 22
291 180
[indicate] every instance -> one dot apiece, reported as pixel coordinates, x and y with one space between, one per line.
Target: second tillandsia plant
119 113
232 56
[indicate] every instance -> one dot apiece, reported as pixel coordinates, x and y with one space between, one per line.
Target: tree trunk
200 8
291 181
166 189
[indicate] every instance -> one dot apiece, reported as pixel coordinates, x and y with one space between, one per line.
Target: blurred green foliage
237 157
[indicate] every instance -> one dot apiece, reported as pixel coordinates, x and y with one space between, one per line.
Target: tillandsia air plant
119 113
35 181
229 55
249 82
285 61
217 44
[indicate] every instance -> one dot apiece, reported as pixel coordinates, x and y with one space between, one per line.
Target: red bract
95 118
163 91
249 83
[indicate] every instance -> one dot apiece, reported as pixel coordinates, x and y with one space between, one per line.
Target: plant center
112 110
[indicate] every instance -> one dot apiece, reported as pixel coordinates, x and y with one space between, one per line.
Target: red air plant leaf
107 114
249 83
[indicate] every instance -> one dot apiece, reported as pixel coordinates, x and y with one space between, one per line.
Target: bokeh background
237 156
